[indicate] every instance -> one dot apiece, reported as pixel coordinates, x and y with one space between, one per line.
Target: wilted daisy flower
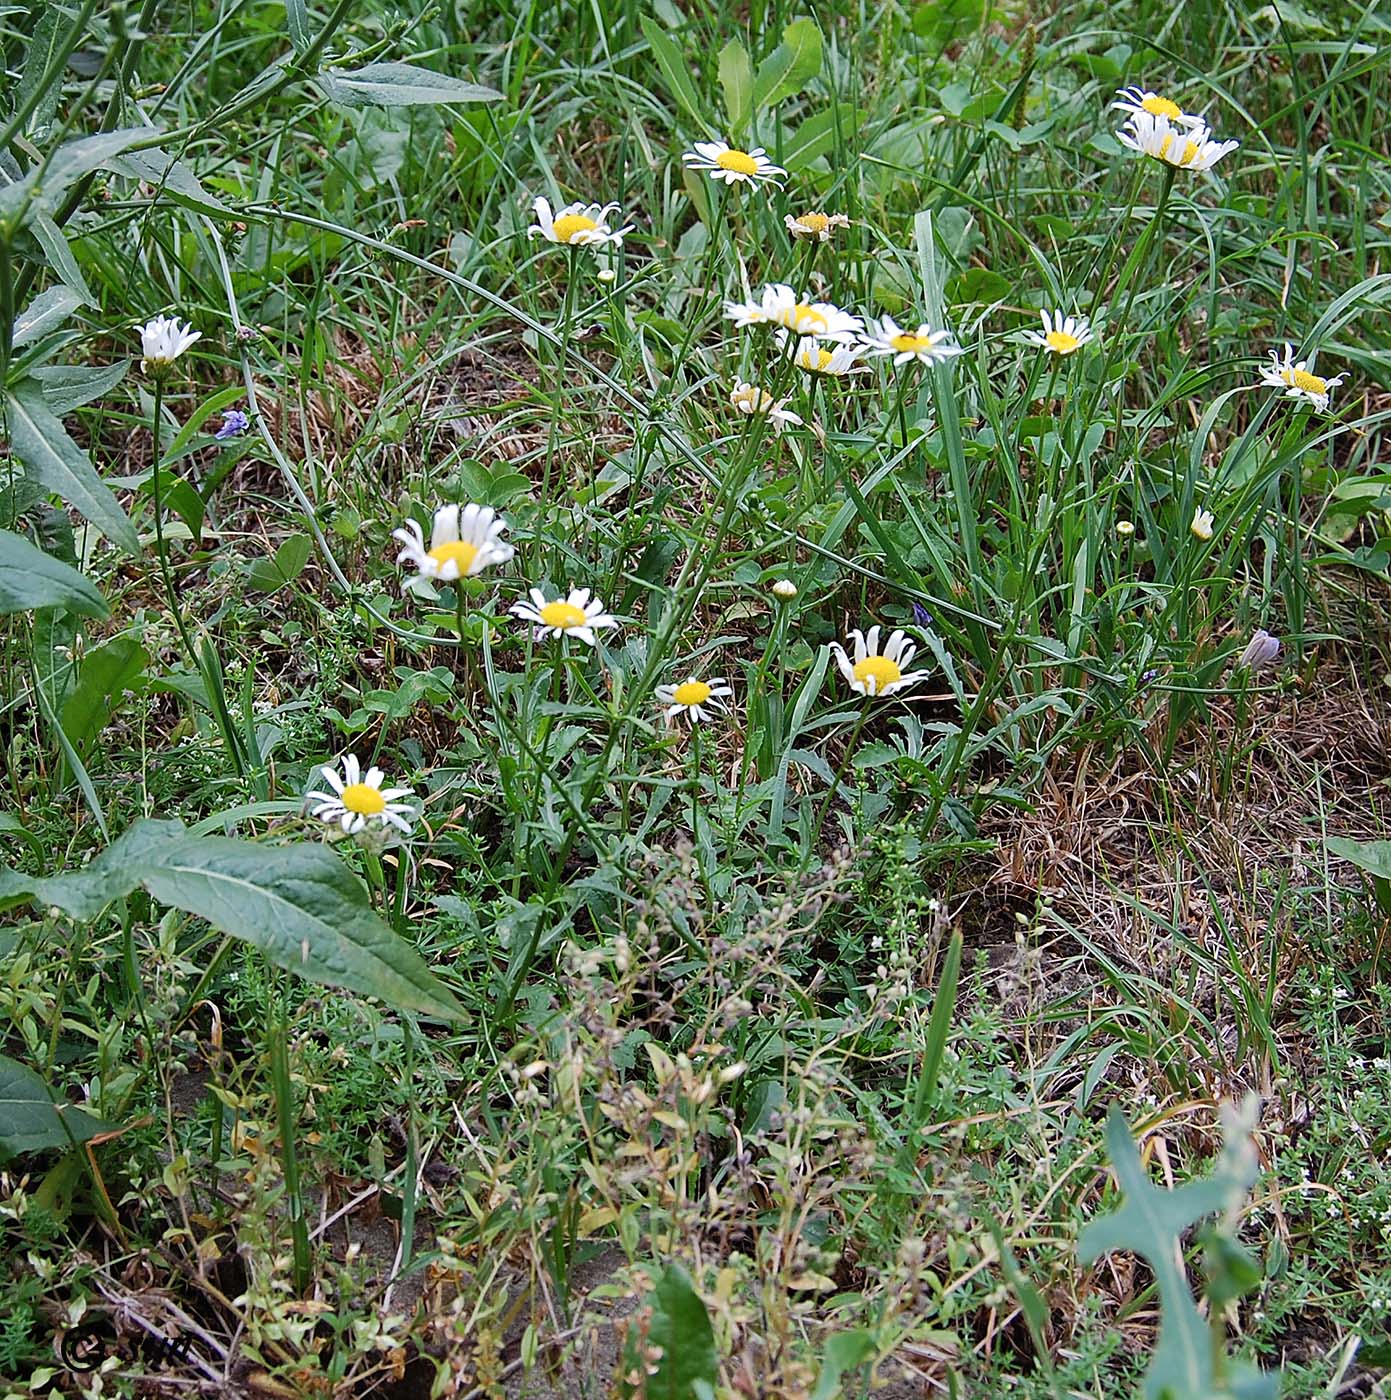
1201 528
874 672
733 166
1187 148
832 363
1298 380
465 540
750 399
1062 334
1141 102
694 699
358 798
780 306
815 224
928 347
577 225
576 615
163 340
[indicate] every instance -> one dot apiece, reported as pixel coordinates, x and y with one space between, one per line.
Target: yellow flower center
815 360
806 319
459 552
568 225
691 693
876 672
363 799
1162 107
741 162
1190 151
563 615
1061 343
814 223
911 343
751 399
1302 379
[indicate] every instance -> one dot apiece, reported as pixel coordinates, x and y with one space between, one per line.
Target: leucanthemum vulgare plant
713 525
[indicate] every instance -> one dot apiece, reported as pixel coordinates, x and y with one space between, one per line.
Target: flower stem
161 544
851 744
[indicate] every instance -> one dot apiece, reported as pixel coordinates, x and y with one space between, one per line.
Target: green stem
851 744
161 544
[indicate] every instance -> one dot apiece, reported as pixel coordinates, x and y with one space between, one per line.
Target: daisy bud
785 589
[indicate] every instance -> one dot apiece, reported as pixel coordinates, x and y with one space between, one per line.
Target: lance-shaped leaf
29 578
303 908
59 465
399 85
66 387
796 60
45 313
171 178
32 1119
1151 1222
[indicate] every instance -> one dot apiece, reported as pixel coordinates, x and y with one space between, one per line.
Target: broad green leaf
83 894
268 575
58 251
399 85
29 578
303 908
66 387
844 1352
676 69
736 78
59 465
790 66
816 136
1151 1222
106 673
681 1328
1372 856
45 313
170 177
70 162
32 1120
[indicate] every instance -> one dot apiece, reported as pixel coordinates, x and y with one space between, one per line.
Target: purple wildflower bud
921 615
1147 677
234 424
1260 651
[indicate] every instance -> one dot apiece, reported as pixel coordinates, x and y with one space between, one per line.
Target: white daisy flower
873 672
779 305
928 347
839 360
815 224
163 340
750 399
1298 380
578 614
1201 528
733 166
577 225
1062 334
1141 102
358 798
465 541
694 699
1187 148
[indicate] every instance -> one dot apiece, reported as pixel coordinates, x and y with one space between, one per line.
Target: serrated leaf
681 1328
170 177
33 1120
790 66
736 78
29 579
303 908
58 464
399 85
675 68
45 313
66 387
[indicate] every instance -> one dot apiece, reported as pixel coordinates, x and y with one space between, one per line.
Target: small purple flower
1260 651
921 615
234 424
